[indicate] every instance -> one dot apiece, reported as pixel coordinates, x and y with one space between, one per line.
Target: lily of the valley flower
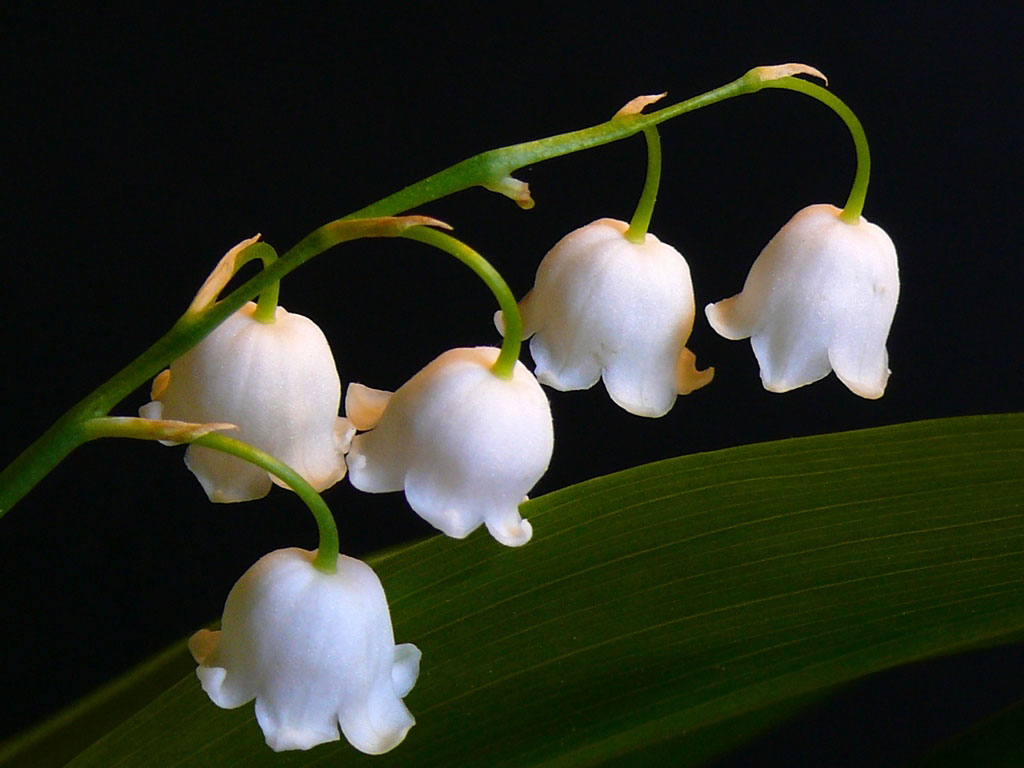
315 650
464 444
820 297
277 382
603 307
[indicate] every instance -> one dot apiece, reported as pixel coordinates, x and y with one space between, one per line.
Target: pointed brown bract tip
171 431
424 221
636 106
779 71
514 189
344 230
167 431
220 276
188 432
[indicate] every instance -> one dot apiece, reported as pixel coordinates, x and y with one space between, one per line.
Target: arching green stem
145 429
493 169
506 362
855 202
641 220
327 551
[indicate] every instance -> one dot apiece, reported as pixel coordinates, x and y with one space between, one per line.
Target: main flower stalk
492 169
67 433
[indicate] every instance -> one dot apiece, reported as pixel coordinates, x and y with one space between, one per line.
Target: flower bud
315 650
464 444
820 297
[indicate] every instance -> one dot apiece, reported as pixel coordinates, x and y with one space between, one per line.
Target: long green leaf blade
674 597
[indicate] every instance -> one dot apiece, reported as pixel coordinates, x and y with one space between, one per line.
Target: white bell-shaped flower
820 297
315 650
603 307
465 444
278 383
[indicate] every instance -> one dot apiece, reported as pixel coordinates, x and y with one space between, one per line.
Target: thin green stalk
855 202
266 306
327 553
504 365
637 231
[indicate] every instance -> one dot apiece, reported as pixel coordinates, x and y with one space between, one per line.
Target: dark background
142 145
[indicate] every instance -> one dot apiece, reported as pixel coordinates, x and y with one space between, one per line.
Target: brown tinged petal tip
688 377
364 405
160 383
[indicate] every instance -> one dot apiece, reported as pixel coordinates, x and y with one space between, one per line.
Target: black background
143 144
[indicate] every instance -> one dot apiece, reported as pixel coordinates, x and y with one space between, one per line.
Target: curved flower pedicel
605 307
315 650
820 297
465 444
278 383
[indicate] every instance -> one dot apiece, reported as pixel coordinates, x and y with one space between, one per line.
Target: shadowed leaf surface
692 594
994 741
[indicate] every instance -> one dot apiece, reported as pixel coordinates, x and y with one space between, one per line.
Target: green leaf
704 594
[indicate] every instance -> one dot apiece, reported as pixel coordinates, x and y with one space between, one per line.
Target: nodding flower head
315 650
820 297
464 444
604 307
277 382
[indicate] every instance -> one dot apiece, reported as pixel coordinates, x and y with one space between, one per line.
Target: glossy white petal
820 297
465 445
315 650
603 307
278 383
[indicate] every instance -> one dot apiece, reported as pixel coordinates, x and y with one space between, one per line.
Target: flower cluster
470 435
466 445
